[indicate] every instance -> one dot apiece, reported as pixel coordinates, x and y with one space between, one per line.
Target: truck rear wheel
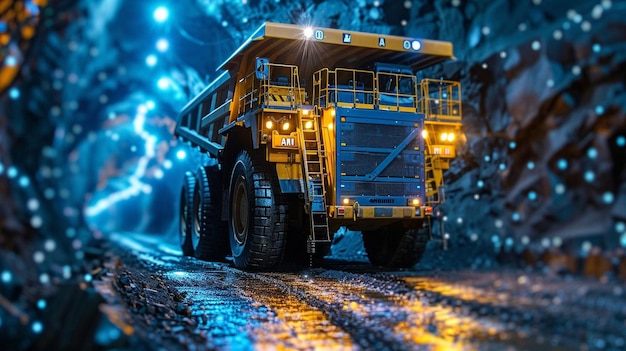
186 214
257 219
395 246
209 239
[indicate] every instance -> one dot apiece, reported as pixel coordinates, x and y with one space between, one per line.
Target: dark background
86 121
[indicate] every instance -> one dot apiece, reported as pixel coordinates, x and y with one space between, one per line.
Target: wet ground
166 301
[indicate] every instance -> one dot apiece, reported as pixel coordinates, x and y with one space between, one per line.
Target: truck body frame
333 128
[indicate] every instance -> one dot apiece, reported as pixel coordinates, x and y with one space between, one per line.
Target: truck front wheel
395 246
257 219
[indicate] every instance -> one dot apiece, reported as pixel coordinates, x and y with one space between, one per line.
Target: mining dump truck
313 129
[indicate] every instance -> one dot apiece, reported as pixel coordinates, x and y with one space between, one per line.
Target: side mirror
262 68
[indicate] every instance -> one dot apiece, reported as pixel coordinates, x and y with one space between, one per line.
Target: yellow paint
289 171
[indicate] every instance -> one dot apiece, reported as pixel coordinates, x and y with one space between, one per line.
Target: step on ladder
313 158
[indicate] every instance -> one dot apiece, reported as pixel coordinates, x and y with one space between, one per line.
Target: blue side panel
380 156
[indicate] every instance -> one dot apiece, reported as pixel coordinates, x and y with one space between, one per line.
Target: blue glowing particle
512 145
589 176
599 110
37 327
623 240
14 93
161 14
515 217
162 44
592 153
32 8
530 165
181 154
150 104
620 227
620 141
3 26
10 61
24 181
1 168
561 164
532 196
151 60
608 197
487 158
480 183
41 304
87 278
596 47
163 83
502 166
12 172
6 276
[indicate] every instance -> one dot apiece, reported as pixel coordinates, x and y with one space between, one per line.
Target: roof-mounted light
308 32
416 45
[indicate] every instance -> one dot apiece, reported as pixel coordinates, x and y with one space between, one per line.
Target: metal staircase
313 158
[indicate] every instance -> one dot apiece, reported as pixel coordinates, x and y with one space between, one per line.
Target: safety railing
344 87
396 91
272 85
440 100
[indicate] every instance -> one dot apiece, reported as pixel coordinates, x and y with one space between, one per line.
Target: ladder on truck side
313 158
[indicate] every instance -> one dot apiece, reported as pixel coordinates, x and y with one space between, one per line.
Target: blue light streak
137 186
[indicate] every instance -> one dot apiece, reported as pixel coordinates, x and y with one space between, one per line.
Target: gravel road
165 301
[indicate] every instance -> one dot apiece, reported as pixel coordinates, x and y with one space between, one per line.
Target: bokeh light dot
522 27
44 278
502 54
589 176
480 183
162 44
181 154
536 45
515 217
502 166
596 13
562 164
499 223
550 83
456 3
620 141
14 93
576 70
559 189
87 278
6 277
37 327
607 4
476 197
39 257
12 172
512 145
599 110
585 26
49 245
558 34
620 227
487 158
623 240
36 222
33 204
592 153
530 165
608 197
41 304
167 164
532 196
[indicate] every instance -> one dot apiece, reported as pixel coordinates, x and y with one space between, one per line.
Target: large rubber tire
210 233
186 214
257 222
395 246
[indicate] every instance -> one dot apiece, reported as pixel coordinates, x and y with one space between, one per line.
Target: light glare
161 14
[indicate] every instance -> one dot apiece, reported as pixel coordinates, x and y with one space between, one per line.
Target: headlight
424 133
286 126
450 137
444 136
269 124
346 201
